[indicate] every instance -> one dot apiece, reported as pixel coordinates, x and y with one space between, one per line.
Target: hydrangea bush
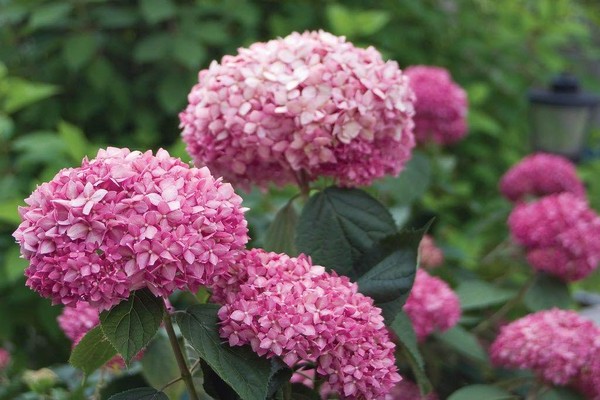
339 302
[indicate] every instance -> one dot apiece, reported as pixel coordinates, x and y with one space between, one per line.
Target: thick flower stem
185 371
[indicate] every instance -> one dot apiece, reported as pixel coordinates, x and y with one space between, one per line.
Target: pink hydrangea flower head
128 220
4 359
76 321
555 344
407 390
430 256
432 305
289 308
306 105
561 234
588 380
441 105
540 175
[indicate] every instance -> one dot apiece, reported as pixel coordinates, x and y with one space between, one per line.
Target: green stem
302 180
185 372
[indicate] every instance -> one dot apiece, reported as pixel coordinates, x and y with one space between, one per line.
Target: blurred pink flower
561 234
308 103
441 105
290 308
127 220
588 380
432 305
407 390
540 175
555 344
4 359
430 256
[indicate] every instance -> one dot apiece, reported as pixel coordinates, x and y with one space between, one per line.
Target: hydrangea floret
300 107
430 255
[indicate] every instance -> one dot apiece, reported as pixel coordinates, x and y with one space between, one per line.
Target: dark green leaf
303 392
172 92
547 292
558 393
411 184
475 294
159 366
122 383
92 352
403 329
140 394
49 14
13 268
280 235
480 392
78 49
131 324
241 368
157 10
214 386
153 47
189 52
464 342
338 226
280 375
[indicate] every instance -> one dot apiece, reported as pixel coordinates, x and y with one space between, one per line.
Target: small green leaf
411 184
280 375
153 47
214 386
21 93
92 352
338 226
189 52
159 366
403 329
303 392
140 394
481 392
78 144
464 342
78 49
548 292
155 11
49 14
131 324
559 393
280 235
241 368
476 294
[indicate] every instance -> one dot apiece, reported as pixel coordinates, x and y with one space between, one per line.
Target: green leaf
159 366
476 294
214 386
403 329
547 292
92 352
411 184
353 23
140 394
558 393
338 226
79 49
152 48
480 392
131 324
172 92
280 375
464 342
49 14
303 392
77 143
280 235
9 211
241 368
155 11
13 268
21 93
189 52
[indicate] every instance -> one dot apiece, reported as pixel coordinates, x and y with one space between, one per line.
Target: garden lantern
560 117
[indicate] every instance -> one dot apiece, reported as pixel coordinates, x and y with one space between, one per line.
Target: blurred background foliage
76 75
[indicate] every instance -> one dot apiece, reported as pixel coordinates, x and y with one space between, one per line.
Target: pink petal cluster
540 175
441 106
432 305
290 308
127 220
430 256
561 234
555 344
588 380
4 359
306 105
407 390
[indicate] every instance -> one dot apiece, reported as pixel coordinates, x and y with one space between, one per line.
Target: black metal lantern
561 116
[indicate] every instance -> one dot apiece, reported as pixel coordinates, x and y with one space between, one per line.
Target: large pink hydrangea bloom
540 175
431 305
4 359
441 105
430 256
304 106
128 220
290 308
588 380
407 390
555 344
560 233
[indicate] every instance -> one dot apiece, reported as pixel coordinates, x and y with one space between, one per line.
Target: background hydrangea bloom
290 308
441 105
4 358
432 305
128 220
560 233
540 175
555 344
430 256
588 380
304 106
407 390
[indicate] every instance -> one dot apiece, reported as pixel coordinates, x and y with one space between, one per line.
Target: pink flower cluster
4 359
128 220
561 234
407 390
309 104
432 305
557 345
588 381
540 175
430 256
441 106
290 308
